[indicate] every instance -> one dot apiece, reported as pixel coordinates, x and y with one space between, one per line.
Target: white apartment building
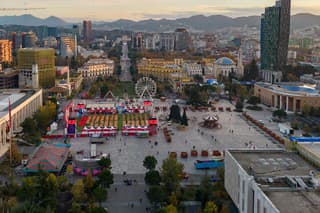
97 68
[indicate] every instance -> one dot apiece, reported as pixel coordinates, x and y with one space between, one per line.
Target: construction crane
22 9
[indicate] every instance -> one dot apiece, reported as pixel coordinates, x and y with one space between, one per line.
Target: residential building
36 67
67 46
23 105
182 39
5 51
87 31
97 68
28 40
50 42
9 78
291 97
275 30
137 40
167 41
271 181
52 32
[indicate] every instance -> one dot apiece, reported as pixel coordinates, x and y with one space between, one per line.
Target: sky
109 10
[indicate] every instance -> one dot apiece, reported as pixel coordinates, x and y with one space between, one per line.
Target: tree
88 183
210 207
251 71
103 90
175 115
198 78
171 174
156 194
152 177
239 105
105 162
171 209
30 131
105 178
150 162
78 191
224 209
205 191
100 194
184 119
253 100
280 113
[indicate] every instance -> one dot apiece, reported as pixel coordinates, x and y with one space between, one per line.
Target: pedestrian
140 200
132 205
157 152
151 146
116 189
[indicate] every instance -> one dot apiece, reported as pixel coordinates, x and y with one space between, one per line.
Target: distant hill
194 23
30 20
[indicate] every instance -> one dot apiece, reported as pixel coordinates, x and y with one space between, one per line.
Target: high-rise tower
275 31
87 34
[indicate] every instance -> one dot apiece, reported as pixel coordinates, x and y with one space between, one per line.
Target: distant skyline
110 10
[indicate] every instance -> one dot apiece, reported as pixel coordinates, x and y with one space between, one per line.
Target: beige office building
5 51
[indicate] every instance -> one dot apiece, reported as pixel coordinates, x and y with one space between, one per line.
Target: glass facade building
274 37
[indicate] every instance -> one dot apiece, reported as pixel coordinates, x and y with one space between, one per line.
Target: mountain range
193 23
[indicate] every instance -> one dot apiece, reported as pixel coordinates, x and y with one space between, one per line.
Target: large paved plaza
127 152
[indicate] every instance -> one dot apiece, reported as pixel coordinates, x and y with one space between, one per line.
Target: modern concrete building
271 181
23 104
167 41
290 97
87 31
36 63
5 51
182 39
97 68
274 40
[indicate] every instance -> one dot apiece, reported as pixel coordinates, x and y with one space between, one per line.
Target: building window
258 206
264 210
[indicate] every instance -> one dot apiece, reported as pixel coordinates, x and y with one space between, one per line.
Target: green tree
105 178
239 105
205 191
156 194
184 119
175 115
30 131
103 90
280 113
198 79
88 183
152 177
100 194
251 71
105 162
150 162
253 100
171 174
210 207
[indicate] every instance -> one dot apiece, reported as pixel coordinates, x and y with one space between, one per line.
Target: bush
254 107
253 100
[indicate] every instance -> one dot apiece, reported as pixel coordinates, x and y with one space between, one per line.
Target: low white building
271 181
97 68
23 105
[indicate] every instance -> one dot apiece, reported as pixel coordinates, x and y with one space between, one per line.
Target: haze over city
75 10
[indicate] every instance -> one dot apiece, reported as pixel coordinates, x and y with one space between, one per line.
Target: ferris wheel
146 88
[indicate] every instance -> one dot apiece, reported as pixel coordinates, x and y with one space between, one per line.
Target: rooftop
293 89
284 177
266 163
16 97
